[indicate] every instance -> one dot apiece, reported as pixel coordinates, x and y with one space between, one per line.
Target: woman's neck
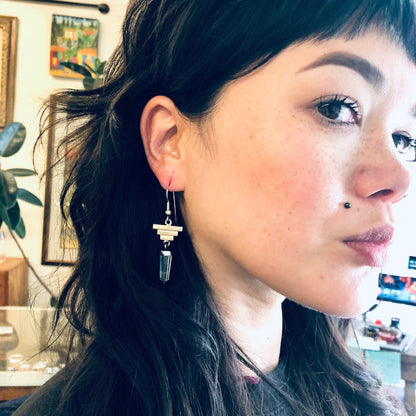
253 318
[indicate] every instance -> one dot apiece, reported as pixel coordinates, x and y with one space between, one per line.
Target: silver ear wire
174 207
167 233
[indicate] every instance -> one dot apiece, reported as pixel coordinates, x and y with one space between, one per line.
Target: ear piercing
347 205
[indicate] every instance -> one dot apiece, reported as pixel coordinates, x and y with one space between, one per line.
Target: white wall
33 83
404 245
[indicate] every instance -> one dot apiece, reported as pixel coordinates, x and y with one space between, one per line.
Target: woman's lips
371 246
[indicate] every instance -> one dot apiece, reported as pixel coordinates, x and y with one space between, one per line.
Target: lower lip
374 255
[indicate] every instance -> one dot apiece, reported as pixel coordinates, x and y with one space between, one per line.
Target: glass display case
25 363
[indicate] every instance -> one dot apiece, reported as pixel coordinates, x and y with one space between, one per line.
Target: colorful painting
73 39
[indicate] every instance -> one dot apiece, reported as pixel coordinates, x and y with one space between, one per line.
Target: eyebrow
360 65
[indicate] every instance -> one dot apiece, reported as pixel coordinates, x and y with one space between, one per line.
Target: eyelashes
405 145
338 110
341 111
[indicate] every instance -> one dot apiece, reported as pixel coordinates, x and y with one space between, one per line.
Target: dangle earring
167 233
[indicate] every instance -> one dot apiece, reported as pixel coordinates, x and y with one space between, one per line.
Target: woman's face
267 176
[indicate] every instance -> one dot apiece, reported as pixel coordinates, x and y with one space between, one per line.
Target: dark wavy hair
162 349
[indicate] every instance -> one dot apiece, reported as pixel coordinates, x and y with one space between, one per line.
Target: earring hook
168 212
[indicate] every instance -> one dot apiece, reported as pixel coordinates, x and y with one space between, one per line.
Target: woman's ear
161 128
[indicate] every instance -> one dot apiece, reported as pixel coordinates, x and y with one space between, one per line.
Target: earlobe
161 128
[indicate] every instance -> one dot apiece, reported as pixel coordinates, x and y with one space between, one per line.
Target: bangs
275 28
395 18
209 43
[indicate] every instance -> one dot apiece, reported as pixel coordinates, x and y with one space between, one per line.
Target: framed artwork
59 242
73 39
8 41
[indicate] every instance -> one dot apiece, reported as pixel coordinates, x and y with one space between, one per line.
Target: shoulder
45 400
8 407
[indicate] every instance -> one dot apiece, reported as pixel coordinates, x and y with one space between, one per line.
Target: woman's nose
382 175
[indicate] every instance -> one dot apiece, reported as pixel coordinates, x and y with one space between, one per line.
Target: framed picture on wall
73 39
59 243
8 42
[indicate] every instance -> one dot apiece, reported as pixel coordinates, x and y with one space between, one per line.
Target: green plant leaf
10 216
97 63
21 172
76 68
99 67
20 228
5 216
27 196
14 215
89 83
92 70
8 189
12 138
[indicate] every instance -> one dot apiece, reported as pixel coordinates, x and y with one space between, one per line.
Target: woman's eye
338 110
405 145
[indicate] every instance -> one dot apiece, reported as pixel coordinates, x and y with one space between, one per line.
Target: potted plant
92 76
11 140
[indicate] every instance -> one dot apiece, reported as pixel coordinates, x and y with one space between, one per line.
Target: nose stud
347 205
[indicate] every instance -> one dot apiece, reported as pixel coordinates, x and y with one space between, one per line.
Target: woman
284 129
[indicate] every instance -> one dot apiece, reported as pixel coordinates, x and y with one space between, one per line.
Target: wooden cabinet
13 282
10 393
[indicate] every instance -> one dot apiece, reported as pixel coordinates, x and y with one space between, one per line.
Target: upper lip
378 235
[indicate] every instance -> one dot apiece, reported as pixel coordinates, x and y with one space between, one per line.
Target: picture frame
8 52
59 243
74 40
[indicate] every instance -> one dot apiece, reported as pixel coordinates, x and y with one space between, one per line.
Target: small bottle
2 247
395 322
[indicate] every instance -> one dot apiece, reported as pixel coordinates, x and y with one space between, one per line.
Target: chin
349 313
350 307
356 299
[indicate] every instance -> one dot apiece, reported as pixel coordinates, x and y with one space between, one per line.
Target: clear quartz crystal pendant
165 263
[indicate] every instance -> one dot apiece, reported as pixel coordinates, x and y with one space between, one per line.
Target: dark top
8 407
268 400
45 400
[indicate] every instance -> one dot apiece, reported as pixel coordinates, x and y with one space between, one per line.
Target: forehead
375 57
370 60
